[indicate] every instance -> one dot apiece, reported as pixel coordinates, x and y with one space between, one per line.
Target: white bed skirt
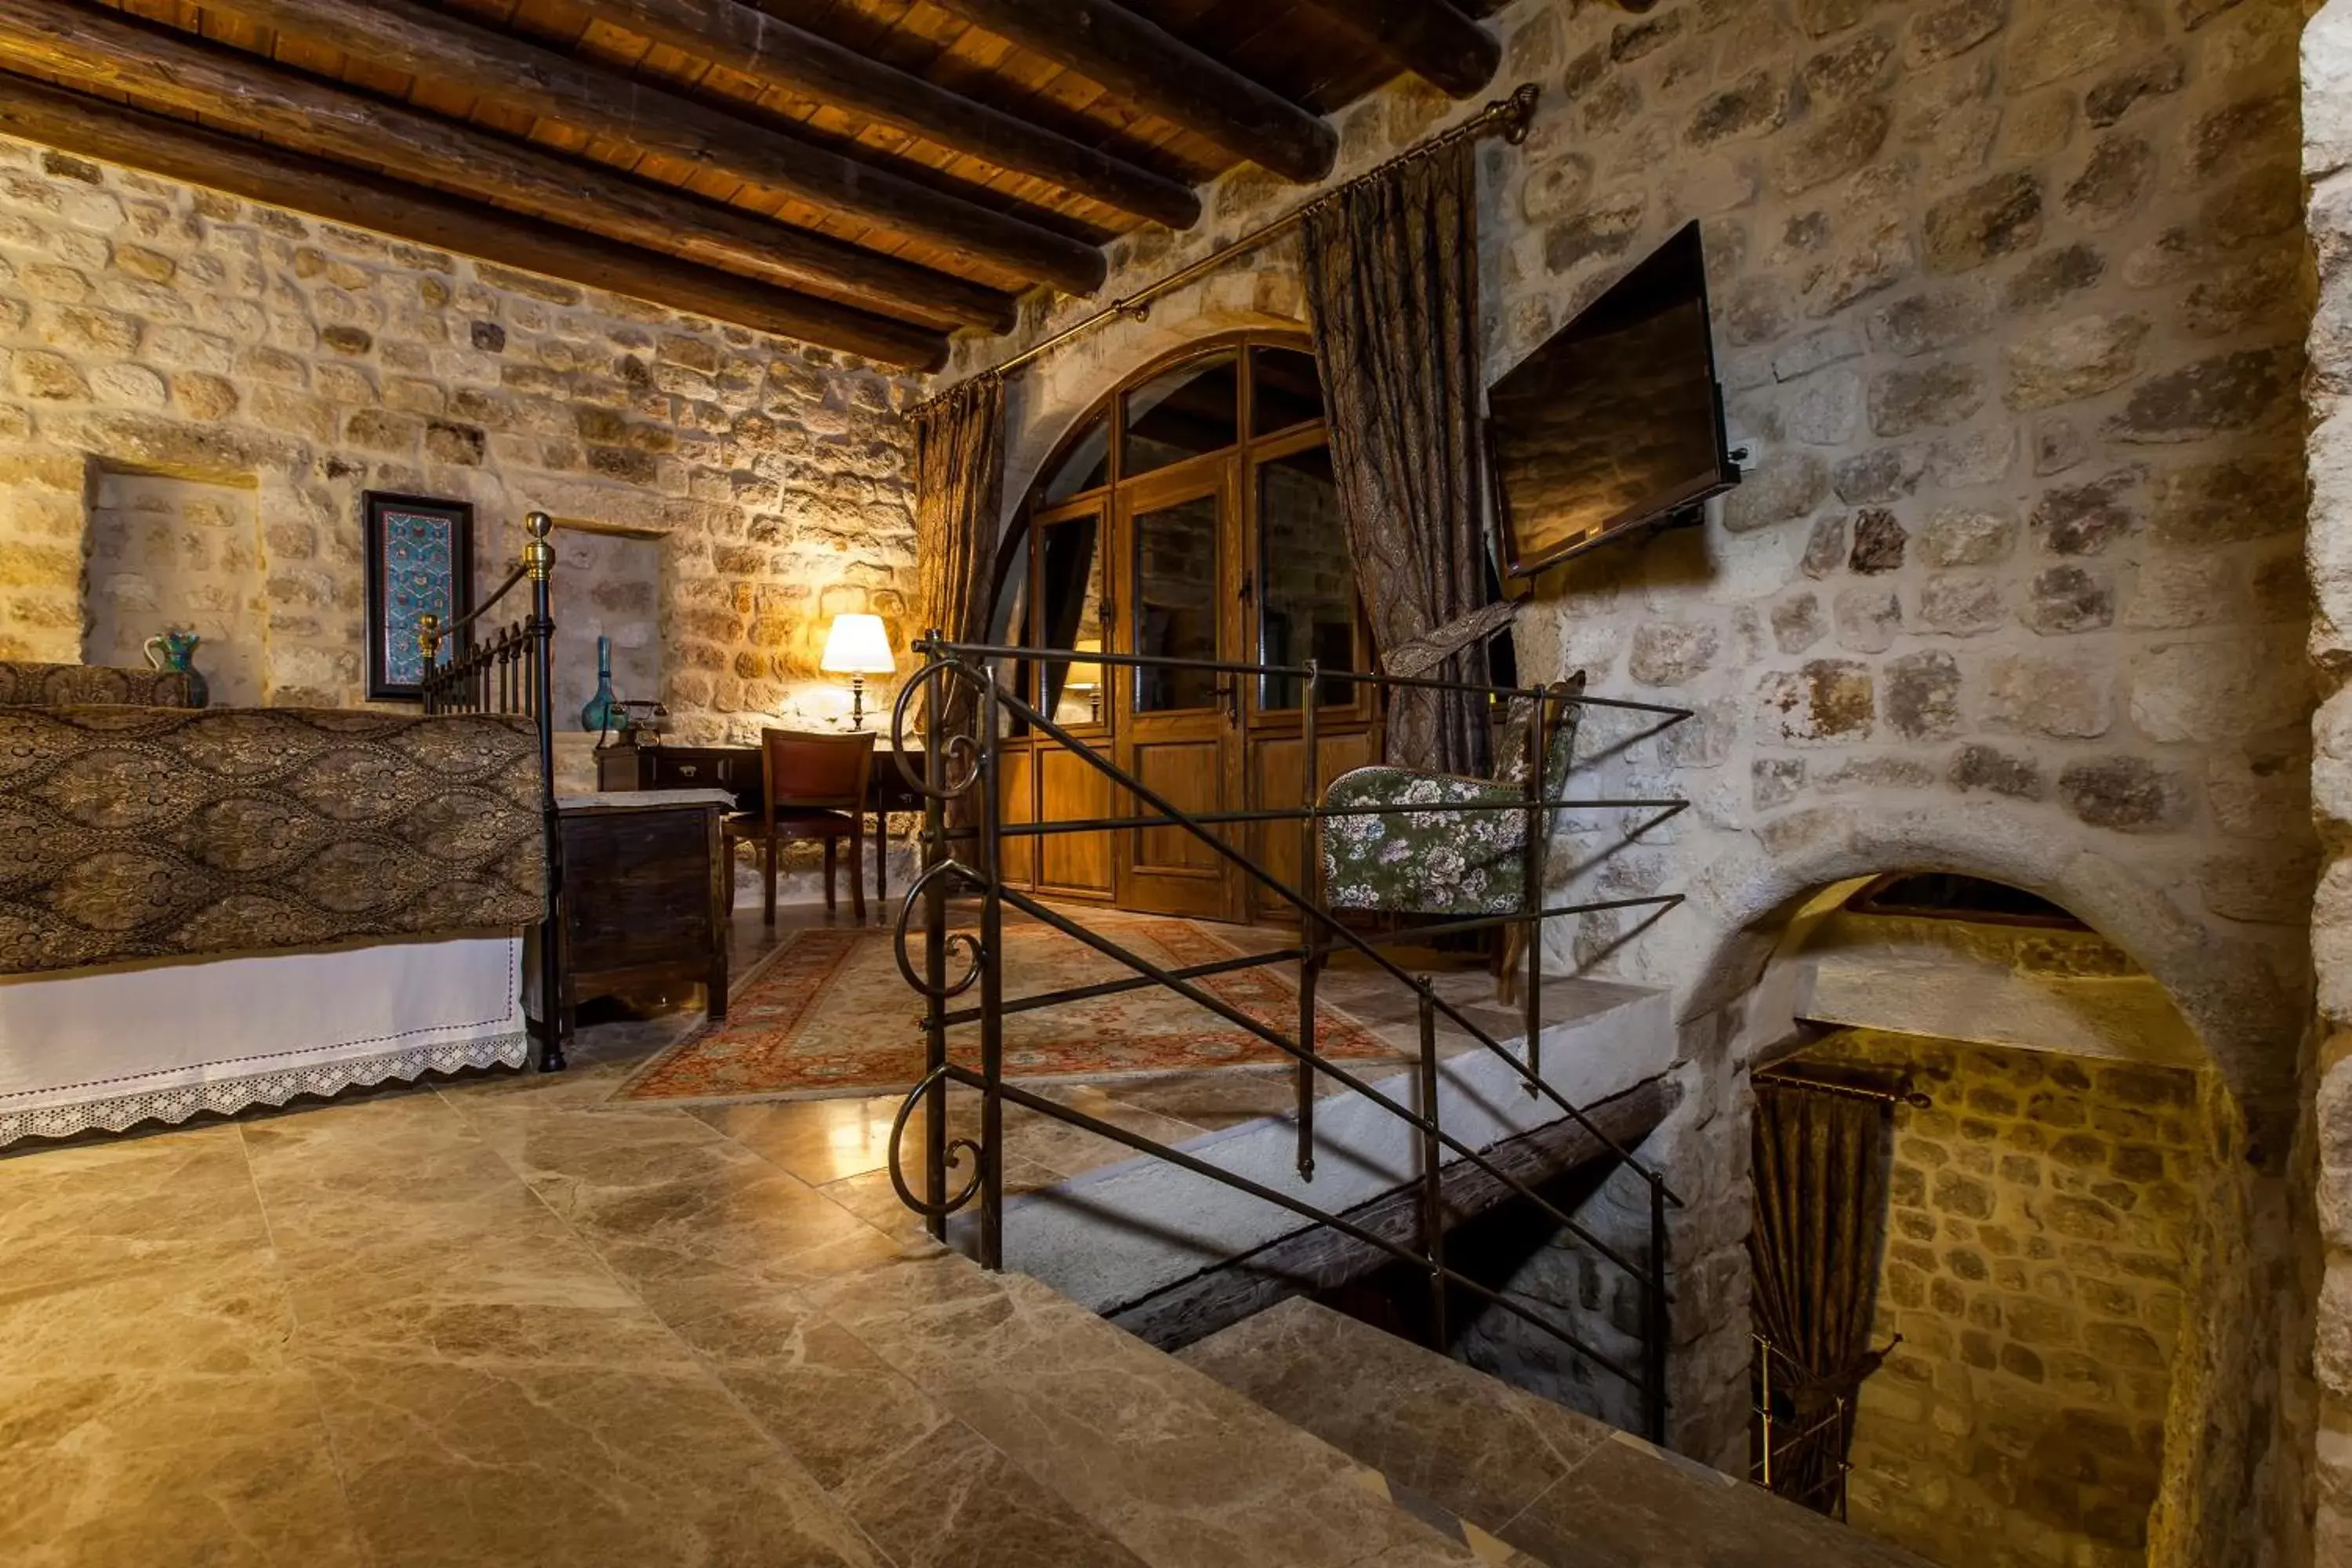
108 1049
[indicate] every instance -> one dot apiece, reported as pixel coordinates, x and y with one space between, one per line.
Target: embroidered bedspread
131 833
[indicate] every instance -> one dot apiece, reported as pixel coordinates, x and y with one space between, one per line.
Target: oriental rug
828 1014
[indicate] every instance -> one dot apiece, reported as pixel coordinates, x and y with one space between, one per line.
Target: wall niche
166 551
608 582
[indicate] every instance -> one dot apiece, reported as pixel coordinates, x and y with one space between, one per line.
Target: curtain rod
1902 1095
1509 116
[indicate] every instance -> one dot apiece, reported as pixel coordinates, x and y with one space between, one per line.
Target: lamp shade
859 645
1084 674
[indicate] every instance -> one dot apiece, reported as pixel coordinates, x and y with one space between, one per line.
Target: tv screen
1616 420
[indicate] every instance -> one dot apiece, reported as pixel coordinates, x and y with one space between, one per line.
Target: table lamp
857 646
1085 676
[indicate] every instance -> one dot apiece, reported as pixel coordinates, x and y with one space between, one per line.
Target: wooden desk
646 880
735 769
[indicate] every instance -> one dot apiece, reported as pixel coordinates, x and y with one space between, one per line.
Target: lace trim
119 1113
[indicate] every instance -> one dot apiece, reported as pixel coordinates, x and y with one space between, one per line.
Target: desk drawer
677 769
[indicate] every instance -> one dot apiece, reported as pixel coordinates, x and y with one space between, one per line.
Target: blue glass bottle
602 712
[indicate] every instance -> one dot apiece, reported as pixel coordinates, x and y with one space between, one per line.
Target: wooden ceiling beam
98 128
773 51
173 71
1155 70
1427 37
441 49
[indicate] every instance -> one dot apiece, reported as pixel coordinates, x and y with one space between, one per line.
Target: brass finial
429 636
538 555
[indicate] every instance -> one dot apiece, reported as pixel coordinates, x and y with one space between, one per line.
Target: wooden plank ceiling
862 174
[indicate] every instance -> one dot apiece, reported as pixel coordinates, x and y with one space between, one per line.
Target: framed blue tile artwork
420 561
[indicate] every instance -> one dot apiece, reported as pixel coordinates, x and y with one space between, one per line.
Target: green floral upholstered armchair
1447 862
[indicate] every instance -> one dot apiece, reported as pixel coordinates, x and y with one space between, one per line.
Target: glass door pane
1192 408
1070 615
1306 584
1175 611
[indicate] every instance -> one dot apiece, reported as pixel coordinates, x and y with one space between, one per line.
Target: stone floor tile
104 1469
951 1500
819 1140
70 1303
183 1188
521 1464
825 1397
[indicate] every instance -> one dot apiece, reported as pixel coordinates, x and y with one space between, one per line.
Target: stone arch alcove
1742 1002
2225 985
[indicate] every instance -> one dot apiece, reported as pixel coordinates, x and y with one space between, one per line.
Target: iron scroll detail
954 1149
961 750
963 940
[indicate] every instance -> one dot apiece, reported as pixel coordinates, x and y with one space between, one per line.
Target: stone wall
2042 1233
153 329
2009 299
2327 163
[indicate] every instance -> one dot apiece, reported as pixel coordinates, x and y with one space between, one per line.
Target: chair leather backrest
805 772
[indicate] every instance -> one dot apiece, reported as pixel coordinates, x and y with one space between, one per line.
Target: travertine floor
499 1322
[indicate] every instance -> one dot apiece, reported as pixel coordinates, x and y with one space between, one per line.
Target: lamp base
857 703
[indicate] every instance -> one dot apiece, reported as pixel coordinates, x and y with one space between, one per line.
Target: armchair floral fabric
1445 862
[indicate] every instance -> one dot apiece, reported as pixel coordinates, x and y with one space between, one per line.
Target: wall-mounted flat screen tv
1616 421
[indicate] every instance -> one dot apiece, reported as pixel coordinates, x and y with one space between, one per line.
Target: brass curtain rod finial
1516 113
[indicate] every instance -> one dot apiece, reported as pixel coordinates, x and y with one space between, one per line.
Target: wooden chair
813 786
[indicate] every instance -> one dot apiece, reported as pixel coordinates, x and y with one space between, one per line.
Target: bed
203 909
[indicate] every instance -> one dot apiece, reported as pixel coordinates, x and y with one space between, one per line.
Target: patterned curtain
958 491
1821 1176
1392 285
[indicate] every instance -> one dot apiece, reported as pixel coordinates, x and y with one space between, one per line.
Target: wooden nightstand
646 880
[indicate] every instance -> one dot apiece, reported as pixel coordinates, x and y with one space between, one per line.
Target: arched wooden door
1193 516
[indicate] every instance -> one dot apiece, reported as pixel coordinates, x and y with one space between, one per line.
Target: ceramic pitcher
176 650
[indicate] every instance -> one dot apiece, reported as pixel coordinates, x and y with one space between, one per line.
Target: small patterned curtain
959 492
1821 1177
1392 286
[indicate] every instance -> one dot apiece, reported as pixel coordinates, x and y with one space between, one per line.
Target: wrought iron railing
963 772
511 671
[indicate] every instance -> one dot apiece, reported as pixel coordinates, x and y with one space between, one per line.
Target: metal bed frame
510 672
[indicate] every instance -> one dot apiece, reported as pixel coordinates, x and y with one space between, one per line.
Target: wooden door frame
1117 500
1096 504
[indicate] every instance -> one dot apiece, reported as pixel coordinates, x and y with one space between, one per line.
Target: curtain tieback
1816 1391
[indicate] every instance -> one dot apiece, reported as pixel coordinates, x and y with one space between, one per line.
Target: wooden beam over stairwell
99 128
1318 1256
157 68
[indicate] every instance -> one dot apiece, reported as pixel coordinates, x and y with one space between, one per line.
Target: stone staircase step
1179 1470
1564 1489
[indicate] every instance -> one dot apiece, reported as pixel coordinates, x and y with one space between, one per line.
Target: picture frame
420 560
